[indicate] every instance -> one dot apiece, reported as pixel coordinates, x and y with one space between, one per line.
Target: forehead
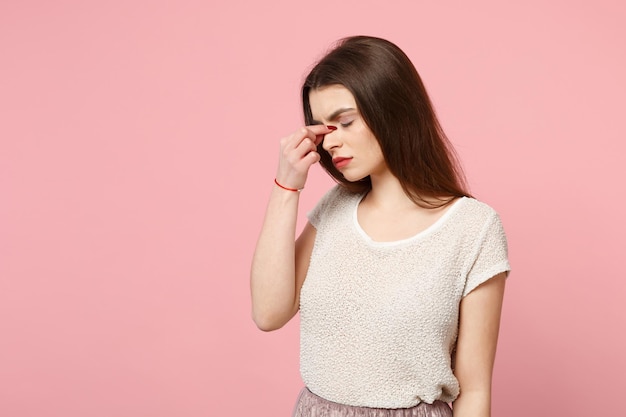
326 100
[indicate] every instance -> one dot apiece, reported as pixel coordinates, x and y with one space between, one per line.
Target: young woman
399 273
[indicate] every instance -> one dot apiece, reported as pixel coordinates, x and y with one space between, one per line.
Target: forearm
272 278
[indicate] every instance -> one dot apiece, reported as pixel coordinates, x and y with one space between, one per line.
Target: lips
341 162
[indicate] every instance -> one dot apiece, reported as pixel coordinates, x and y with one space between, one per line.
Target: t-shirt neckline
420 235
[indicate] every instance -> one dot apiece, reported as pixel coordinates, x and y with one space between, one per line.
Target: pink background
138 143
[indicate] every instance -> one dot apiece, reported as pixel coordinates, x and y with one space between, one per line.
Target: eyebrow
336 113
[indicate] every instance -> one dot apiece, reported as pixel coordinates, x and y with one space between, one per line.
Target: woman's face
353 147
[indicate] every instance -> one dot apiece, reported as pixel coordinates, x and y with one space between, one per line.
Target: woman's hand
298 152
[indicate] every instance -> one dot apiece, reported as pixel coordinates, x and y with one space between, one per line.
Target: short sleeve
315 216
490 257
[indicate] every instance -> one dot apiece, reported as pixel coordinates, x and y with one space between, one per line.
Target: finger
293 141
304 148
314 157
307 161
313 132
293 155
320 131
307 145
316 132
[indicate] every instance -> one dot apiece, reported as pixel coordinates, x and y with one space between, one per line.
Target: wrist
287 188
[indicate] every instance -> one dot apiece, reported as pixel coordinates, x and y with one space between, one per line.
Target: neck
387 192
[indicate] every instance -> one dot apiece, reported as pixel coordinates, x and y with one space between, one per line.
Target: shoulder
474 219
337 195
338 192
487 238
333 201
482 222
476 211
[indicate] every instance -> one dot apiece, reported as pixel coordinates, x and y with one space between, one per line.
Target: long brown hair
393 102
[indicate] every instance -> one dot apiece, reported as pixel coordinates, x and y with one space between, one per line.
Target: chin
355 178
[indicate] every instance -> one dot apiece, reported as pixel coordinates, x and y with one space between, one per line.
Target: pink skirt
310 405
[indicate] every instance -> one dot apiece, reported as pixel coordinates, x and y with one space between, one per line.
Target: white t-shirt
379 320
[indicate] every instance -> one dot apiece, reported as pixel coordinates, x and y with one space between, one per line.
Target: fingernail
329 127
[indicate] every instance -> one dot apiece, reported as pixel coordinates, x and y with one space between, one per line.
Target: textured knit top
379 320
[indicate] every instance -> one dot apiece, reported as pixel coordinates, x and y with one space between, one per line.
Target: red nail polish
329 127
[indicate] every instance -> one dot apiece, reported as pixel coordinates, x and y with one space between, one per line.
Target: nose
332 140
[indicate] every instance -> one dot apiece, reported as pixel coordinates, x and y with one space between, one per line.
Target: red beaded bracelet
287 188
